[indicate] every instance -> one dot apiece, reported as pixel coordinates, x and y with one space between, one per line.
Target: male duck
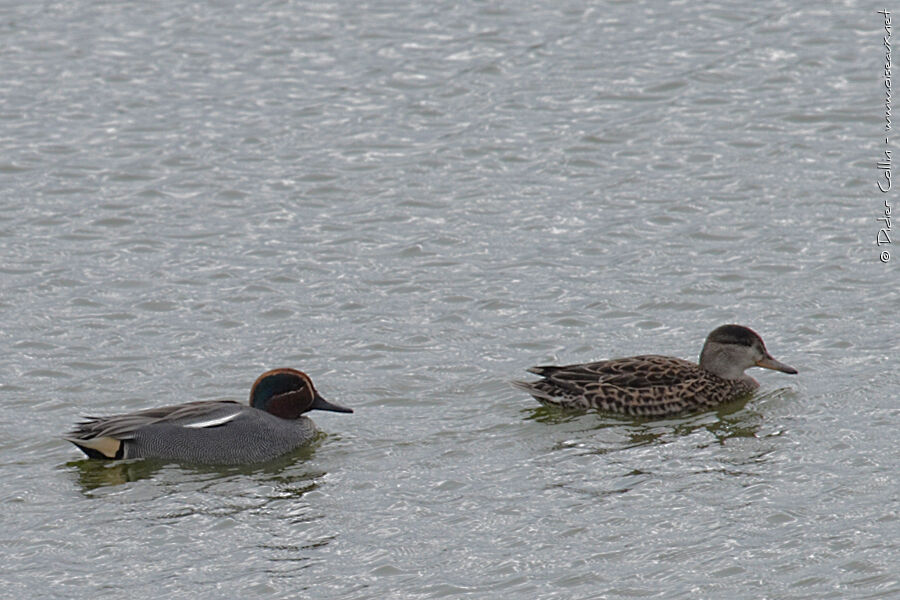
213 431
654 386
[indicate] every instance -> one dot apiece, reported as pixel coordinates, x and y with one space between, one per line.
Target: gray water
413 203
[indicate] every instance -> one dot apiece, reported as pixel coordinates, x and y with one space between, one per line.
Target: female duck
214 431
654 386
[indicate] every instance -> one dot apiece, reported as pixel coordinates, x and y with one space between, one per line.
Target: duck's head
288 393
730 349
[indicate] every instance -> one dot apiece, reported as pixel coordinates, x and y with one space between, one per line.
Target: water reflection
640 456
93 474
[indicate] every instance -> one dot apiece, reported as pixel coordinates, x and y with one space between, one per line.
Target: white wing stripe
212 422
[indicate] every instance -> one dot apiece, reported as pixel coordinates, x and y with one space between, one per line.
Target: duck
213 431
659 386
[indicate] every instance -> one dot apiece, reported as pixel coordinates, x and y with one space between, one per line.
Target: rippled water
414 203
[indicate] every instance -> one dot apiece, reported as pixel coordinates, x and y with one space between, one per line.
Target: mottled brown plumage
654 386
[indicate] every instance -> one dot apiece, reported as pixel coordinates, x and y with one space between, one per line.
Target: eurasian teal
655 386
213 431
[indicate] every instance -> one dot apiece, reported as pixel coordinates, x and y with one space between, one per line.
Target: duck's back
635 371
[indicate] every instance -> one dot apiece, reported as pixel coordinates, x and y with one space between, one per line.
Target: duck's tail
540 391
98 447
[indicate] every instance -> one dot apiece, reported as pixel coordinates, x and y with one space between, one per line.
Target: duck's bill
320 403
770 363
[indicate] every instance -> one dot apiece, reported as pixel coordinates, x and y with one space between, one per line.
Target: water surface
414 204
